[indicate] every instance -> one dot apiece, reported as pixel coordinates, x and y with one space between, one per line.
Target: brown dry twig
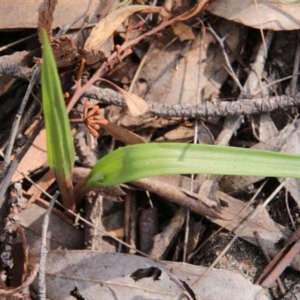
281 261
229 68
268 258
16 291
44 250
205 109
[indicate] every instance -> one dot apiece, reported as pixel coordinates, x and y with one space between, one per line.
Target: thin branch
232 123
228 64
15 70
206 109
17 42
293 85
44 250
268 258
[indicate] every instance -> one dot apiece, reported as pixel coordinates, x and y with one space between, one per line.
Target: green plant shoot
146 160
60 148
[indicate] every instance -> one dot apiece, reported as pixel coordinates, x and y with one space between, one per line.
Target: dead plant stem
268 259
293 84
44 250
228 64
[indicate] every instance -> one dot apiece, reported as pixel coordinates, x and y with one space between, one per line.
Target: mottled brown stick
158 186
221 108
15 70
175 195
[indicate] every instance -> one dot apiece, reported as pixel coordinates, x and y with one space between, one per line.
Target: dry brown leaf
173 79
180 134
65 51
97 277
273 15
60 235
136 105
183 31
106 27
35 157
123 135
14 293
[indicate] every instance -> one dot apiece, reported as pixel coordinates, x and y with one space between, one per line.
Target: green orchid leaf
146 160
60 148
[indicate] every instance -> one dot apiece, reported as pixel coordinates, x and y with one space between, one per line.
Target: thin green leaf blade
60 148
146 160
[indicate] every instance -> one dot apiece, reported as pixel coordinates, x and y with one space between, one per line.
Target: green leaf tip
60 148
147 160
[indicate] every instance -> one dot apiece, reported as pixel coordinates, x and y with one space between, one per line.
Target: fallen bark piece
14 66
164 239
24 13
34 159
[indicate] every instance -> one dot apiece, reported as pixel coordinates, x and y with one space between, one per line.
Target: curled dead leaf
123 135
183 31
272 15
106 27
136 105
